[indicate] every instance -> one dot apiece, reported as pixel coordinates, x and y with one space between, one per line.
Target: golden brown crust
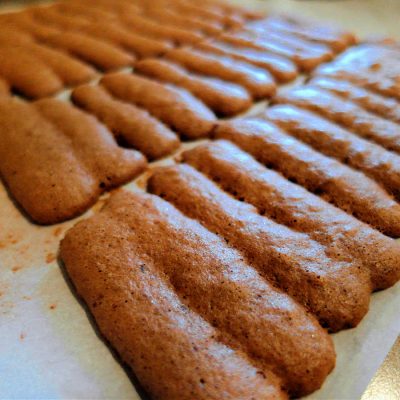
289 204
56 170
249 314
336 291
333 141
346 113
224 98
256 80
136 126
346 188
174 106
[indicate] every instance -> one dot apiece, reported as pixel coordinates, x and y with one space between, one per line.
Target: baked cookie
336 291
345 113
289 204
174 106
256 80
136 127
28 74
335 38
334 141
223 97
141 46
335 182
282 68
104 56
385 107
375 66
57 160
107 256
306 55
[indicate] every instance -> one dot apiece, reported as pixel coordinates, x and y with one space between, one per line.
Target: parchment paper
48 346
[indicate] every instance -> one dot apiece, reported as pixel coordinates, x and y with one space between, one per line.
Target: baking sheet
48 346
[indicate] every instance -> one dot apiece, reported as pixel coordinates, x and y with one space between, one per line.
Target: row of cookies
283 220
186 311
236 259
228 280
67 43
152 113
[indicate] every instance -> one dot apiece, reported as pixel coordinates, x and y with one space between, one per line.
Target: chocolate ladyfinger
51 16
336 39
243 13
171 17
337 183
140 45
334 141
213 280
101 54
25 21
151 28
337 292
256 80
56 161
223 18
108 29
224 98
345 112
375 103
122 288
305 59
87 10
110 9
174 106
320 52
136 126
364 66
28 74
275 197
70 70
282 68
93 143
